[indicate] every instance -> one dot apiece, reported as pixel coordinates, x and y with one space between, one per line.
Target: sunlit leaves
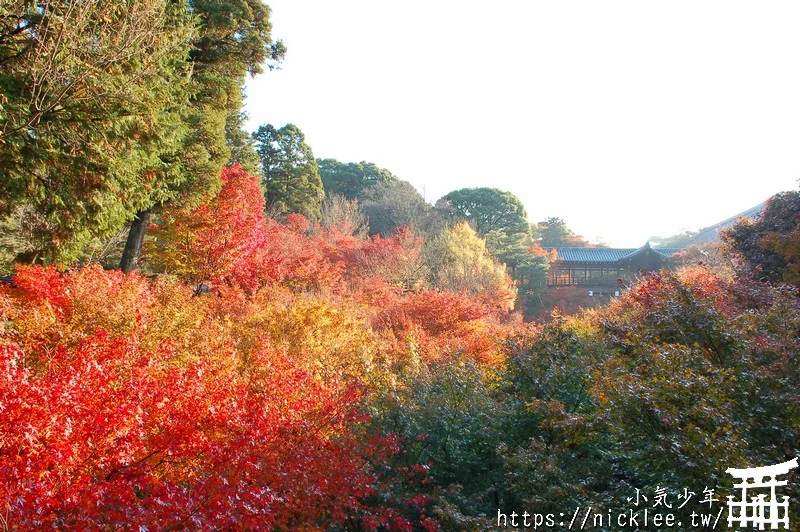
130 401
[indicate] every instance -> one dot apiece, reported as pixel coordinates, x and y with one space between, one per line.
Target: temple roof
608 255
711 233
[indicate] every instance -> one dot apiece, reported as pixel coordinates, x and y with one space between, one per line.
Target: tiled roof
574 254
711 233
592 254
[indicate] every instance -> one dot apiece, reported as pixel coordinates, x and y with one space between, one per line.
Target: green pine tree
291 175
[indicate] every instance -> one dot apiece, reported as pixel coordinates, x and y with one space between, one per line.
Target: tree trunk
133 246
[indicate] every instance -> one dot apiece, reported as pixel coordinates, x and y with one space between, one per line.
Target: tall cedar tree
241 144
233 40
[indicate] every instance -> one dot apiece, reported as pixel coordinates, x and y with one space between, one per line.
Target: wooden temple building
605 270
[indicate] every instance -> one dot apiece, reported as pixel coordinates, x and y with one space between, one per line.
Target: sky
627 119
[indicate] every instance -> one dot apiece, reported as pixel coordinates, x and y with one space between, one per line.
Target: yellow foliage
459 261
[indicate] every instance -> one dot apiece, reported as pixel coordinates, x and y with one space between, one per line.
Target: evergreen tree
553 232
91 122
240 142
488 209
352 180
527 263
291 175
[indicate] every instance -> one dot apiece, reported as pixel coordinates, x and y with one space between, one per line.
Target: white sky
627 119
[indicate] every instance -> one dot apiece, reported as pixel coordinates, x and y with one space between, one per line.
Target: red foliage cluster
100 430
230 241
128 400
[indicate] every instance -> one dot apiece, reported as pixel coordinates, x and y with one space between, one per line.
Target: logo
759 504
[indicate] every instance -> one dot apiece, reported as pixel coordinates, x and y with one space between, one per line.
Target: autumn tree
487 208
768 246
344 214
291 175
682 375
501 219
458 260
131 402
214 241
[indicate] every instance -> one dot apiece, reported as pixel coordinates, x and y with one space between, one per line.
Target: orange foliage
438 324
538 251
229 241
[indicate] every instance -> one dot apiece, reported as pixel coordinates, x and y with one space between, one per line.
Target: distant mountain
711 233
